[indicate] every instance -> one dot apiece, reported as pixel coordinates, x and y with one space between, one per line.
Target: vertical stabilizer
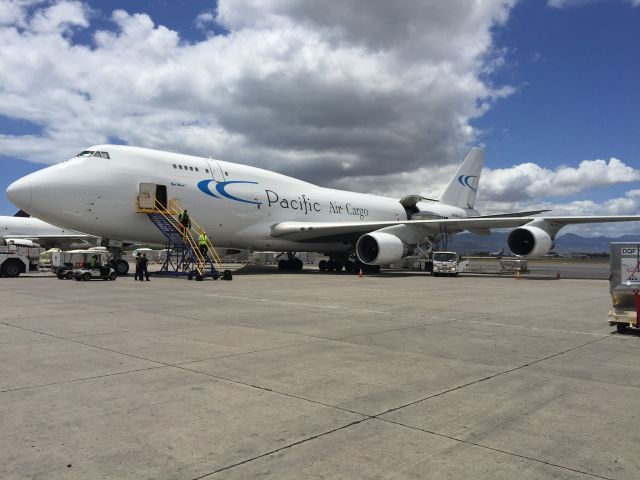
463 186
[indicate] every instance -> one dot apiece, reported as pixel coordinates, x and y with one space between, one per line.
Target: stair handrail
167 212
175 209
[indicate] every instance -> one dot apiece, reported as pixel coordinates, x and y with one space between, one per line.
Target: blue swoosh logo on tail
465 181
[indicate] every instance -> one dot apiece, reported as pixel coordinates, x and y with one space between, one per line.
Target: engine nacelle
380 248
23 242
529 242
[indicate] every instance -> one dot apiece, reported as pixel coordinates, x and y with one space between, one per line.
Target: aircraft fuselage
236 204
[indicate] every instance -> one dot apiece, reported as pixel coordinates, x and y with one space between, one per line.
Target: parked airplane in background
21 229
247 207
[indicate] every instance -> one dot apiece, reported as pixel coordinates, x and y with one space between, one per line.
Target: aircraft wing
333 231
54 240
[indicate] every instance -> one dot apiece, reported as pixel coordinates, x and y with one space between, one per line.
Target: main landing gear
119 265
343 263
290 264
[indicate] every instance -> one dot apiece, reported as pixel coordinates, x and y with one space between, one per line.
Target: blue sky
386 101
577 71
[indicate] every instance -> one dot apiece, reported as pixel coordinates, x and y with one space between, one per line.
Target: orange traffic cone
360 275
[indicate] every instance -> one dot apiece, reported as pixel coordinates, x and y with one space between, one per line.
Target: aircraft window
196 169
105 155
186 168
175 166
191 168
180 167
206 170
86 153
96 154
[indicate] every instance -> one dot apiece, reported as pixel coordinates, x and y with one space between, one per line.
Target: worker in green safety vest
203 243
185 222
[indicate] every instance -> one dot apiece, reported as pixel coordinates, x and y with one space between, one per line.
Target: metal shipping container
624 283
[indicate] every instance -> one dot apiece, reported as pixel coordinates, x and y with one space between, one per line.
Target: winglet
463 186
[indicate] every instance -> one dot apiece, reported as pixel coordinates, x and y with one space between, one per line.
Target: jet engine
380 248
529 242
23 242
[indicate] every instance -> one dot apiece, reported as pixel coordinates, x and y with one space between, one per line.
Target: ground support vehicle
624 285
66 264
103 272
448 263
15 260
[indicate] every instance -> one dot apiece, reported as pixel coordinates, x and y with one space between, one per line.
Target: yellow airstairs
183 253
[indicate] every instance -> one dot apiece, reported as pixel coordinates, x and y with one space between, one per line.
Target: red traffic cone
360 275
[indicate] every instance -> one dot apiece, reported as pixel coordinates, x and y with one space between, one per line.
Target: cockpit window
92 153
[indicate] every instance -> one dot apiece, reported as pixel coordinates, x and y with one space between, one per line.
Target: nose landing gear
290 264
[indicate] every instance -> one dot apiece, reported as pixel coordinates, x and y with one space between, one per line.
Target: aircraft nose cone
19 192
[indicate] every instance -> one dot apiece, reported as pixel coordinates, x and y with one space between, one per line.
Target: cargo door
146 195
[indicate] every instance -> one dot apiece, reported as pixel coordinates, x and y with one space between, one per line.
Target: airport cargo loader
624 285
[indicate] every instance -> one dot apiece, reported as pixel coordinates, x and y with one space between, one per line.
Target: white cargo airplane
27 231
247 207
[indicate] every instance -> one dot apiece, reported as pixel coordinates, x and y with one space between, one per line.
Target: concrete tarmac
310 375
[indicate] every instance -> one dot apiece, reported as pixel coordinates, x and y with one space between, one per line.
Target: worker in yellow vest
203 242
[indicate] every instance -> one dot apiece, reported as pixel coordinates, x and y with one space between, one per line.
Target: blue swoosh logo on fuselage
220 188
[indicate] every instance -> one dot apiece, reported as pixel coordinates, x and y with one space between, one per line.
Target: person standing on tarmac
185 222
143 267
138 271
203 240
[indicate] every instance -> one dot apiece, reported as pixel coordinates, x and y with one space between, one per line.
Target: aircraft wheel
227 275
112 276
621 328
322 265
282 265
78 278
69 275
297 264
339 267
331 265
86 277
121 267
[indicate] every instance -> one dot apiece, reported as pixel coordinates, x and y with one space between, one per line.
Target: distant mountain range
568 243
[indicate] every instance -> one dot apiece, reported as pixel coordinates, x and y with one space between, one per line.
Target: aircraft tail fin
463 186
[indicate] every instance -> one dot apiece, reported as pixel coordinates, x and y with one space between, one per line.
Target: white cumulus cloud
310 90
529 181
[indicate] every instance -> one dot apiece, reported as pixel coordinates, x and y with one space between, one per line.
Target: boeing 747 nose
19 192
